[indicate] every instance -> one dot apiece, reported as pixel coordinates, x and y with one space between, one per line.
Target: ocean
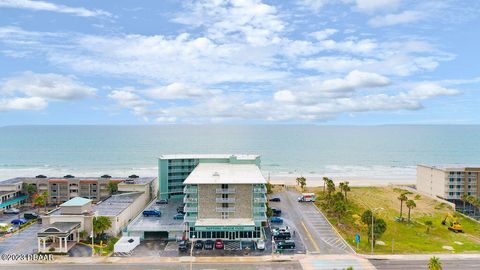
380 153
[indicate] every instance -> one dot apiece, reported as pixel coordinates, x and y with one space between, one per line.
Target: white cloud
284 96
370 6
47 6
22 103
249 20
179 91
426 90
126 98
407 16
324 34
48 86
315 5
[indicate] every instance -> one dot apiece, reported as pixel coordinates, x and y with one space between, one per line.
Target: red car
218 244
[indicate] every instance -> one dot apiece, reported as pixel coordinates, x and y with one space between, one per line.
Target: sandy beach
315 180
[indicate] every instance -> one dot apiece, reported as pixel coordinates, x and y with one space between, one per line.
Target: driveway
316 233
24 242
80 250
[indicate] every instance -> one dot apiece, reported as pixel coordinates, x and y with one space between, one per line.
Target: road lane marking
310 236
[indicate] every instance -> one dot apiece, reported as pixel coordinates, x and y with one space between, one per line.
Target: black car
282 236
198 244
287 244
274 199
180 210
162 201
29 216
209 244
183 245
276 212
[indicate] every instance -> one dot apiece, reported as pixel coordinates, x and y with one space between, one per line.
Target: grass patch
407 237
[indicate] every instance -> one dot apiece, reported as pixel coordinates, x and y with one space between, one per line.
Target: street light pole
191 252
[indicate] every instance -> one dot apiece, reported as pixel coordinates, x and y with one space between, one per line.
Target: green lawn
407 237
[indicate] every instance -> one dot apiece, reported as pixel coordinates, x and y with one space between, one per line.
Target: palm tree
474 202
464 198
41 199
429 225
410 204
330 187
345 188
402 198
301 181
112 187
434 264
101 224
325 180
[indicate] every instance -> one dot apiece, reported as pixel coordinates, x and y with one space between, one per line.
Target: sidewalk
420 256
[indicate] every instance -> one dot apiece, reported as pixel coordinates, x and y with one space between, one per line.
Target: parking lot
313 229
154 226
22 242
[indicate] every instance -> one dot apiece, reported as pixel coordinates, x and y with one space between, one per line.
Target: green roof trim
15 200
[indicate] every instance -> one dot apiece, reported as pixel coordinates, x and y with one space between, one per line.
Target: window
225 196
224 215
224 186
452 179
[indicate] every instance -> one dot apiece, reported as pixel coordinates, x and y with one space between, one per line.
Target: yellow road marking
310 236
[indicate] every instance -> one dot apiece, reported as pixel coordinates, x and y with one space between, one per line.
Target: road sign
357 238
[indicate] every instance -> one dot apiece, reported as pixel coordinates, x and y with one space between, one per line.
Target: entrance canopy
230 224
60 229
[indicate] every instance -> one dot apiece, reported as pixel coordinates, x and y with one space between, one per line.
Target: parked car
260 244
12 211
274 199
162 201
219 244
285 235
209 244
276 220
180 210
287 244
18 221
155 213
29 216
183 245
6 228
178 216
198 244
276 212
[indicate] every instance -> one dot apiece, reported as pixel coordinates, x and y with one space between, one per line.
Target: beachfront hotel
449 182
174 169
225 201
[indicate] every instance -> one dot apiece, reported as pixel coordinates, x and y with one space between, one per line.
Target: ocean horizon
377 153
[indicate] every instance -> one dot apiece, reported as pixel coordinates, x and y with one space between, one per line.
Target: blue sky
244 61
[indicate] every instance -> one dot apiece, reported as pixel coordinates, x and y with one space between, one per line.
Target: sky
333 62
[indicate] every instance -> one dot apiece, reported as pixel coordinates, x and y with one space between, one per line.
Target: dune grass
406 237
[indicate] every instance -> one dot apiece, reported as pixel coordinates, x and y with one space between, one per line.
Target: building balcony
190 209
190 189
225 209
225 191
225 200
259 217
259 190
259 200
190 218
259 209
190 200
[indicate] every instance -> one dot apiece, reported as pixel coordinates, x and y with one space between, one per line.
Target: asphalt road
463 264
316 233
160 266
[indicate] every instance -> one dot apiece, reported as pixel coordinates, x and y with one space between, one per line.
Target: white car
260 244
12 211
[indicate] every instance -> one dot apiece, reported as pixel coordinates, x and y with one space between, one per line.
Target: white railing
225 200
225 209
188 189
259 209
189 209
260 200
225 190
190 218
190 200
260 190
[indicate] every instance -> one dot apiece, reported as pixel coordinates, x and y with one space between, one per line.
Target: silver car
12 211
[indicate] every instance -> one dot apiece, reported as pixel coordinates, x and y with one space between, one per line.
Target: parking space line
311 237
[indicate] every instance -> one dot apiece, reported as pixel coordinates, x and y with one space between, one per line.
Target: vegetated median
424 233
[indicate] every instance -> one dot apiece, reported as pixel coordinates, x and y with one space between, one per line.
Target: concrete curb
443 256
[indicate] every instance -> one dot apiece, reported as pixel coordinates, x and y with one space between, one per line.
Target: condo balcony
259 190
225 190
259 200
225 209
259 209
190 200
225 200
190 189
190 209
190 218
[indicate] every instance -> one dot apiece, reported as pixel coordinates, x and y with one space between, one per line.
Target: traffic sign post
357 239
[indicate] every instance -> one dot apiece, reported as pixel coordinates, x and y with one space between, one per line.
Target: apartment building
62 189
225 201
11 196
449 182
174 169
